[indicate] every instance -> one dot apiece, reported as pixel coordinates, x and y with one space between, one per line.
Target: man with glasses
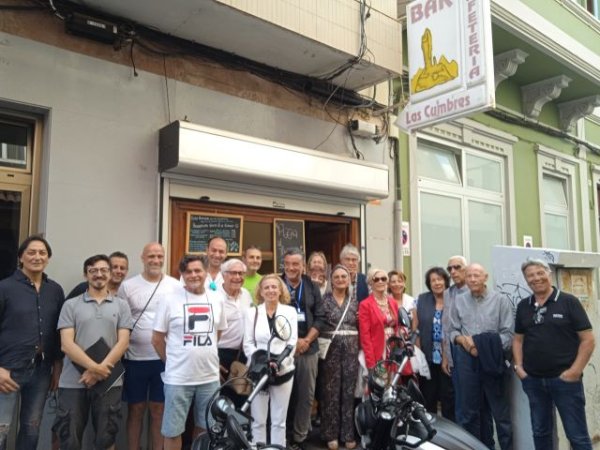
306 298
119 267
236 301
84 320
481 324
552 345
457 266
350 258
30 359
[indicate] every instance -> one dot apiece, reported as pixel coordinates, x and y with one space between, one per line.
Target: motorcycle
229 428
392 417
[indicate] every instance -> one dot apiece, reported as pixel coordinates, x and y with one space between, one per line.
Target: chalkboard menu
287 234
202 226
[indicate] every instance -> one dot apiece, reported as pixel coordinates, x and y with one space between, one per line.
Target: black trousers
438 389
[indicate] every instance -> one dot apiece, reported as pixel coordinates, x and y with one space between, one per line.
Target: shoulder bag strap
147 303
255 318
342 319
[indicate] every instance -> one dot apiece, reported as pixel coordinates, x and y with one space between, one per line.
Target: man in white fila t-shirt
143 386
186 331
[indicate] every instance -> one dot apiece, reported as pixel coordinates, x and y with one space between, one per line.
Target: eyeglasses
102 270
378 279
455 267
538 315
238 273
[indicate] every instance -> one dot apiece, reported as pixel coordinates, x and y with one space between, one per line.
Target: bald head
153 259
476 278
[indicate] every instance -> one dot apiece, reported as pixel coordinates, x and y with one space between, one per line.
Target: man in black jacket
306 298
30 357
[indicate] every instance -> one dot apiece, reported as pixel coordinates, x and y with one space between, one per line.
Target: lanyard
299 297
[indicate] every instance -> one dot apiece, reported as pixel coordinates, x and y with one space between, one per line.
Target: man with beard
30 360
119 266
143 384
84 320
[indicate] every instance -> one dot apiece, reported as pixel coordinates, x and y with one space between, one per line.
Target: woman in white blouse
273 298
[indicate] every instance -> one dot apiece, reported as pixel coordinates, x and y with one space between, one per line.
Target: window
16 180
462 208
556 174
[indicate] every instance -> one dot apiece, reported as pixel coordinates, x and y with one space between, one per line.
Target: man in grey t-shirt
83 321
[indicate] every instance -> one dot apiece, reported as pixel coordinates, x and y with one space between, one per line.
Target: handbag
238 369
241 386
324 342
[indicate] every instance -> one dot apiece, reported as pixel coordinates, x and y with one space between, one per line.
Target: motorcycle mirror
415 392
282 328
236 433
404 318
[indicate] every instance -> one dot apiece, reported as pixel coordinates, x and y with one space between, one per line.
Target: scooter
229 428
392 417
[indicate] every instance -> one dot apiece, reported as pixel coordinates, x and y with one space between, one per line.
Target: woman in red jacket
377 318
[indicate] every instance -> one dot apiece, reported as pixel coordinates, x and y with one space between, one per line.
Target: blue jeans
569 399
477 389
178 399
34 382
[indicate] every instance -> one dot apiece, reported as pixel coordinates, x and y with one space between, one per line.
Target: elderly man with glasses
236 301
552 345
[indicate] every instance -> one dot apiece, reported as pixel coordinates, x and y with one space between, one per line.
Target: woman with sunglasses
430 310
377 318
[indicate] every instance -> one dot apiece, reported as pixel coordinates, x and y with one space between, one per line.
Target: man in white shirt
186 331
216 253
236 301
143 386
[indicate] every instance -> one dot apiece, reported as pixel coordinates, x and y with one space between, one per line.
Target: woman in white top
273 298
397 288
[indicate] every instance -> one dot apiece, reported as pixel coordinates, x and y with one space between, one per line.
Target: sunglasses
455 267
538 315
378 279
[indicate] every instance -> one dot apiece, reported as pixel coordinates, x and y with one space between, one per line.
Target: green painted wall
554 11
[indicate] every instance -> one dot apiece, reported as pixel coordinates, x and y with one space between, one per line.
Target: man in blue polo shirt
30 358
552 345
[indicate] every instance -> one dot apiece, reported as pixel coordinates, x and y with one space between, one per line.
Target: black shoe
293 445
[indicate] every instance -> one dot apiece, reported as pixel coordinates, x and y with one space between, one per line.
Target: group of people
177 339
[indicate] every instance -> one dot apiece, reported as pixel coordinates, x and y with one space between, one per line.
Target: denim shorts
178 400
142 381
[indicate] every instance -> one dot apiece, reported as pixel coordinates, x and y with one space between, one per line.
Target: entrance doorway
321 232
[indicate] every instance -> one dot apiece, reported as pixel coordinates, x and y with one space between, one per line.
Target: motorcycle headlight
221 408
364 417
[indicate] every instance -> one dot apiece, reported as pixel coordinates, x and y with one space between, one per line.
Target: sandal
333 445
350 445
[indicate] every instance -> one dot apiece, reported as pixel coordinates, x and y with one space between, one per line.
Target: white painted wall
101 148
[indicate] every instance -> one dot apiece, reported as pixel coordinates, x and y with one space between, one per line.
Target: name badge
301 317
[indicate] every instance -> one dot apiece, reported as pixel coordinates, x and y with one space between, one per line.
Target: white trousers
280 398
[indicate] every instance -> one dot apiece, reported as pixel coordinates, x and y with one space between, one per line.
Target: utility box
573 272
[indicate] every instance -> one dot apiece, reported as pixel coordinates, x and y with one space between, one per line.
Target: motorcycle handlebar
284 354
420 415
